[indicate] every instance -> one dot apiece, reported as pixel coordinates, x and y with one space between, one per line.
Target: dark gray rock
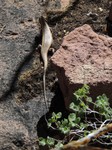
18 30
18 123
11 128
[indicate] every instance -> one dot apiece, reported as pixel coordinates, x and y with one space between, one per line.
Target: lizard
47 40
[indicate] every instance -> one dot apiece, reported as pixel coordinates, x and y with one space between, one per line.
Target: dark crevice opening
57 105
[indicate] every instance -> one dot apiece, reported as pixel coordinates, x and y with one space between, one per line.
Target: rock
13 133
57 5
56 8
18 30
84 57
17 137
18 123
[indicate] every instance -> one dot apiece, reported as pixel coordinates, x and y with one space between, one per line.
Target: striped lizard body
46 44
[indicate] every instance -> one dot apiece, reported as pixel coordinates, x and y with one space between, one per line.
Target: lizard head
42 21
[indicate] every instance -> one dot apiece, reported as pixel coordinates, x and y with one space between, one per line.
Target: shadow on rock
23 64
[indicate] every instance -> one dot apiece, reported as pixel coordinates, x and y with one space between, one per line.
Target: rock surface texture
56 8
59 5
84 57
18 29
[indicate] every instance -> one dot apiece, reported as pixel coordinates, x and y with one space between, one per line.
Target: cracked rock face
18 29
84 57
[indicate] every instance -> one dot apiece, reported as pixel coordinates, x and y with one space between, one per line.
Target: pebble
100 9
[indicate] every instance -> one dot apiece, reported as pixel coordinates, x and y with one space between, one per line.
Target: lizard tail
44 87
44 79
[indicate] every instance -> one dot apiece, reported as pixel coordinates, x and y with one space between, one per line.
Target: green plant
83 119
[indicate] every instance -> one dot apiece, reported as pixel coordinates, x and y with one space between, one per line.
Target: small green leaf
82 125
59 115
82 104
53 118
65 130
59 145
89 99
72 124
78 120
53 114
50 141
42 141
64 122
58 123
72 117
72 105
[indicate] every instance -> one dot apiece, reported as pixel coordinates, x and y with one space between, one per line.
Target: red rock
84 57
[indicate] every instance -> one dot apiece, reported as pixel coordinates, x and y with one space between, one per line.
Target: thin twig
84 141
